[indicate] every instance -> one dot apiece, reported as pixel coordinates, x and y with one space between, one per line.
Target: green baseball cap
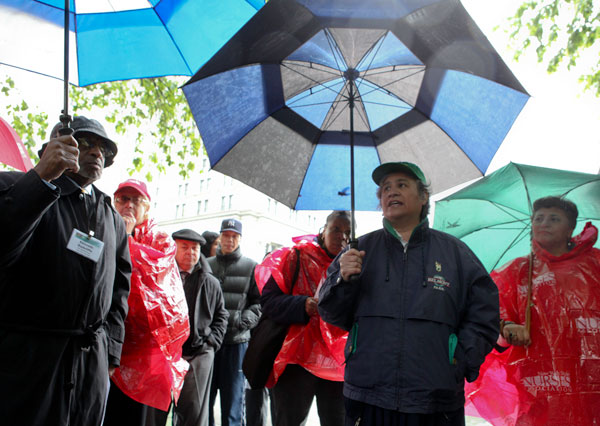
385 169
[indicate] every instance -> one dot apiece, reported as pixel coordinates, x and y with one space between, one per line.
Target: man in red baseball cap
132 201
152 369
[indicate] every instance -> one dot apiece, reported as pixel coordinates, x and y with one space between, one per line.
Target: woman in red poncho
549 375
152 369
311 359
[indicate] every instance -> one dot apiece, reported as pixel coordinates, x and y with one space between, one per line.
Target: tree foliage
154 113
561 31
150 113
30 125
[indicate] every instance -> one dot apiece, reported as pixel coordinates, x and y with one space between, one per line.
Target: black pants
293 395
361 414
122 410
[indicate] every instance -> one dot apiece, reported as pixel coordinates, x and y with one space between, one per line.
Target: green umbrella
492 216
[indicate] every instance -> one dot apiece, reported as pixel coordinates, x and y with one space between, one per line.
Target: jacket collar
231 257
201 266
68 186
418 233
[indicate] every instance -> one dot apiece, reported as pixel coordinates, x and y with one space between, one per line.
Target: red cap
138 185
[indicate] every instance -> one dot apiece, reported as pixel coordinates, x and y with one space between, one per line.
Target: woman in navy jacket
422 312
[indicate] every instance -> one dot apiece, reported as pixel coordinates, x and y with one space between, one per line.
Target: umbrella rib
334 48
386 105
332 118
317 83
580 185
300 64
378 43
515 241
380 87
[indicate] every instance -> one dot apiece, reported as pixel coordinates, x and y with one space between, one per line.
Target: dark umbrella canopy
273 105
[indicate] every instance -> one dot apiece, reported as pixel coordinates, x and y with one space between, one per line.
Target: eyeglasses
124 199
86 143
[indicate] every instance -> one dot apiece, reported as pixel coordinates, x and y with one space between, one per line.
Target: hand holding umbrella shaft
516 335
60 154
351 263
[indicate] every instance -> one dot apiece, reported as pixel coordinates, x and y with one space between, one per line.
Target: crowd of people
107 320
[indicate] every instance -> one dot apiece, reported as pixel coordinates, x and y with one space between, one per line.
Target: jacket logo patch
439 282
438 266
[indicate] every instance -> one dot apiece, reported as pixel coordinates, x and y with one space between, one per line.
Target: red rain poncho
556 380
157 324
316 346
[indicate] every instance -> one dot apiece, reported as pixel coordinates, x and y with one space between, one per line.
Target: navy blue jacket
421 320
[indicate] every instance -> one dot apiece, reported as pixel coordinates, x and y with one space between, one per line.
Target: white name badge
85 245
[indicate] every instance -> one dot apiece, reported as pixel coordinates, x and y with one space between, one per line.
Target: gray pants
192 407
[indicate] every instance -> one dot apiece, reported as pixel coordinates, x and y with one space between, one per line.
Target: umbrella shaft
66 65
352 205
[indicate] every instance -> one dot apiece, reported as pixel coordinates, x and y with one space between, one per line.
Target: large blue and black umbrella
281 104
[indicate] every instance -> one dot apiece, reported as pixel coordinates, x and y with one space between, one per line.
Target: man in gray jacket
242 301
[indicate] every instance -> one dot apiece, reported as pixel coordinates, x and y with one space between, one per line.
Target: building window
177 210
205 205
204 163
201 184
185 189
182 210
230 201
179 191
207 183
199 208
223 203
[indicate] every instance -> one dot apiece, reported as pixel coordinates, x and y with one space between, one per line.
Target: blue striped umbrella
118 39
311 95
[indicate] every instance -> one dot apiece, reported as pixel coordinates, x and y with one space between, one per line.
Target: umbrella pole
65 118
529 286
352 205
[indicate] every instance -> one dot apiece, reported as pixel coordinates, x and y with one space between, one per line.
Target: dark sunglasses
86 143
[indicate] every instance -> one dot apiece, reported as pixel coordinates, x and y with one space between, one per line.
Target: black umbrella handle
354 279
66 129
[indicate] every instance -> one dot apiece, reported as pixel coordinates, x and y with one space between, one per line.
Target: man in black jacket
242 301
64 283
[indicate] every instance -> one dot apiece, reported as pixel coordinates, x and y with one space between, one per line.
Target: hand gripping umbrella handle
66 129
354 279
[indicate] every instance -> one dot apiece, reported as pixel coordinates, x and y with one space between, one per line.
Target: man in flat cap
152 368
208 323
422 312
64 283
242 300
